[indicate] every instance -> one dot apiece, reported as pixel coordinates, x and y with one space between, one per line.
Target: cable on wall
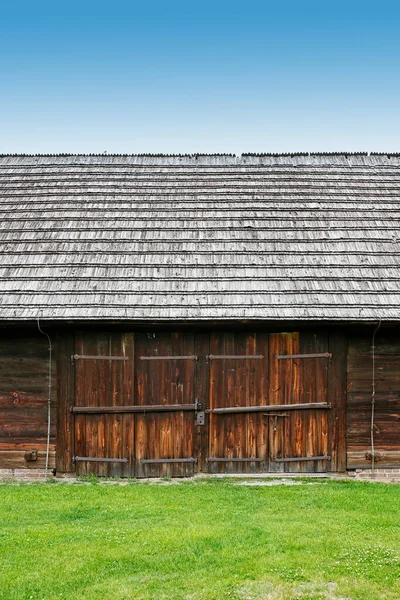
373 400
48 398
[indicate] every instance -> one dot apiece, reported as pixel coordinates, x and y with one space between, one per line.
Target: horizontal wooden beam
148 408
269 407
157 461
16 459
318 355
95 459
301 458
225 460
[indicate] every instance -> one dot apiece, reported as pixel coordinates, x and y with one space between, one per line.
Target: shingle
200 237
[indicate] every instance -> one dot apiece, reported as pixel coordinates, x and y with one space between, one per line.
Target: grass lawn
211 539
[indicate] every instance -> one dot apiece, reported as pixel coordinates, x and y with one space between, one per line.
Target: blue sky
201 76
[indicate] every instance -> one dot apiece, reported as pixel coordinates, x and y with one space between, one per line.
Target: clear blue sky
220 76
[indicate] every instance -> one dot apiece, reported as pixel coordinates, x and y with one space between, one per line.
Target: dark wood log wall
23 400
387 400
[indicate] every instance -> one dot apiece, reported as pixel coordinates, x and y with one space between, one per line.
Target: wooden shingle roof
121 237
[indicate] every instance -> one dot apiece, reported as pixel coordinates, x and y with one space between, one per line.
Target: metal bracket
234 356
275 415
172 357
200 417
315 355
95 459
75 357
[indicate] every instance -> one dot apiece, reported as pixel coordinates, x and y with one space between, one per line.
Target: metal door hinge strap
156 461
148 408
320 355
190 357
97 357
301 458
93 459
224 460
269 407
274 414
234 356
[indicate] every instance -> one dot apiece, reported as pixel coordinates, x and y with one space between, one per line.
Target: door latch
199 415
275 416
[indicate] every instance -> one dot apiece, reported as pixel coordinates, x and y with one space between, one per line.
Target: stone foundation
26 474
380 474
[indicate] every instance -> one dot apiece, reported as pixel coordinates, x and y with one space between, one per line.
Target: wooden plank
321 445
114 397
337 388
261 392
16 459
308 343
127 392
202 394
79 425
287 385
275 441
362 459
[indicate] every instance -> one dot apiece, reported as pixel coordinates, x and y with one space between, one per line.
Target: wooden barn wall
387 399
23 400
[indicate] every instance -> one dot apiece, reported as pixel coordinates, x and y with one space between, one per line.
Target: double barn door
173 404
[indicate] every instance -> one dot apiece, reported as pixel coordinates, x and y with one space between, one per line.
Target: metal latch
275 415
199 415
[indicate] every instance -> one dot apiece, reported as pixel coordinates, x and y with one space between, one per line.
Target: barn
174 315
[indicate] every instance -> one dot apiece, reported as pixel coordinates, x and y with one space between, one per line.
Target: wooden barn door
298 426
171 390
238 389
104 429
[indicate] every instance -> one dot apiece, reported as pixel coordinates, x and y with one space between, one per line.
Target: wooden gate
104 427
169 382
268 403
222 402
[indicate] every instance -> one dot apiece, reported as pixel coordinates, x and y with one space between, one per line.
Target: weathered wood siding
387 400
341 433
23 400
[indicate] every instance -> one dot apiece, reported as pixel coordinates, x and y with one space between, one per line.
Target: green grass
203 540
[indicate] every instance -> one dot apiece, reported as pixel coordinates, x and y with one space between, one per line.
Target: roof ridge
198 154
